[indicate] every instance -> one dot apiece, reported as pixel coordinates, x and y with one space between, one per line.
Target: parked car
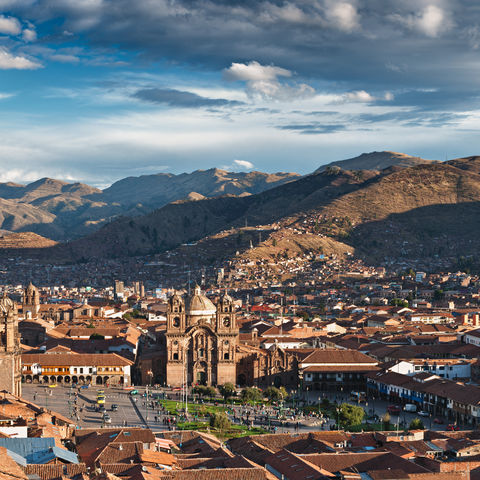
453 427
134 392
114 407
107 418
393 409
438 421
410 407
423 413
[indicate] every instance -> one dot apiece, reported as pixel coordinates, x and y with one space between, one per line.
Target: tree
386 420
220 421
416 424
251 395
273 394
96 336
351 414
211 392
228 390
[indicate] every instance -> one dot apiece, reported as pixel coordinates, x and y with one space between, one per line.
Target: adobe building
201 340
10 359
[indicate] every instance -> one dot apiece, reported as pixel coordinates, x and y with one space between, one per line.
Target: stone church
201 340
10 354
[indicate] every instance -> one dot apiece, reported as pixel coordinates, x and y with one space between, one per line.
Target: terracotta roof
54 472
341 368
333 356
9 467
73 359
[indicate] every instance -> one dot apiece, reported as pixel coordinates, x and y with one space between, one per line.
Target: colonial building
201 340
10 362
70 367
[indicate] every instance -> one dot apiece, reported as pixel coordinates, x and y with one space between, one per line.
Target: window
201 352
175 356
226 356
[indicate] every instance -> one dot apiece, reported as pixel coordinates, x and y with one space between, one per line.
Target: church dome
6 303
198 304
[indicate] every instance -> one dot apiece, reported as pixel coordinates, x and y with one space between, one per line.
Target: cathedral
201 340
10 355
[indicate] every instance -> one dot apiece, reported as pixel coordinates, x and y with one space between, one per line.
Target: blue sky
96 90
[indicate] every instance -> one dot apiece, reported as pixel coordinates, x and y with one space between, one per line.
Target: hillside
376 161
64 211
426 209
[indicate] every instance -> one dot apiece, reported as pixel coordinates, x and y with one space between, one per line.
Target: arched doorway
105 380
66 379
45 379
53 379
98 381
74 379
241 380
81 379
28 379
201 375
36 378
89 379
59 379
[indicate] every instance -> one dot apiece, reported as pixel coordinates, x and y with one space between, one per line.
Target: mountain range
413 208
63 211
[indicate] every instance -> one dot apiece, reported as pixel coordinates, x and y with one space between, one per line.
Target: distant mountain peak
377 161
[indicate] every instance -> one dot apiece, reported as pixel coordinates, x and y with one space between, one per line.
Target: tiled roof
9 467
75 359
55 472
332 356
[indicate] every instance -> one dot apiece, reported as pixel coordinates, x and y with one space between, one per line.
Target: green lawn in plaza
234 431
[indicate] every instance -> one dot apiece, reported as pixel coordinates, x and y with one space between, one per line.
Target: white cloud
64 58
343 15
430 21
29 35
9 25
264 81
12 62
360 96
254 72
243 163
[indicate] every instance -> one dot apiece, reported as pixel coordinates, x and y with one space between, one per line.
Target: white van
410 407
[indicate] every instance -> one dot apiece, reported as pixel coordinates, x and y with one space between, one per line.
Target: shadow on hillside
436 231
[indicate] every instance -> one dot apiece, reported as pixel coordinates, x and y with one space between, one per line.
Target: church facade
201 340
10 354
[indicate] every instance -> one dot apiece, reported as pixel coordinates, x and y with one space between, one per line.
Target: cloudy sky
95 90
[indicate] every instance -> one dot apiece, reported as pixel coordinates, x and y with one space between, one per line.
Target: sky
97 90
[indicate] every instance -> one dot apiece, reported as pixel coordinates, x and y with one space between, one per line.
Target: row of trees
250 395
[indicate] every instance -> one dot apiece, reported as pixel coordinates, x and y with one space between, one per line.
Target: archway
242 380
45 379
277 382
81 379
74 379
105 380
28 379
66 379
36 378
98 380
89 379
53 379
59 379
